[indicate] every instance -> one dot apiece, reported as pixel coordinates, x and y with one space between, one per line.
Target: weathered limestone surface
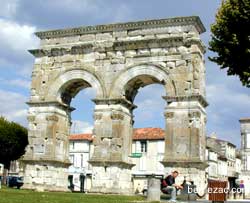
154 190
116 60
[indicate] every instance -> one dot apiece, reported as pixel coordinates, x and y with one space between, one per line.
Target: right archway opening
172 139
148 137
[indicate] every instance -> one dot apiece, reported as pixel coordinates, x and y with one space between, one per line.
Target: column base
112 178
44 176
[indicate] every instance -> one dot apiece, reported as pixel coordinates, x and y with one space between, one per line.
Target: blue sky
19 19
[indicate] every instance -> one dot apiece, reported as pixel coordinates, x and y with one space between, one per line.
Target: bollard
154 191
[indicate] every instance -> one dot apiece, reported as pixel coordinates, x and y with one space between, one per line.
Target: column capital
122 101
194 97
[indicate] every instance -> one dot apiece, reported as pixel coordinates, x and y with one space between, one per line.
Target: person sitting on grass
168 185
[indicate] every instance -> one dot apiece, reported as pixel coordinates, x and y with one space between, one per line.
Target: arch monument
116 60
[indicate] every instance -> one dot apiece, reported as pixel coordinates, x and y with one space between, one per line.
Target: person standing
242 188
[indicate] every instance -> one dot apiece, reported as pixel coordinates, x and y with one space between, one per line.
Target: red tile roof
88 137
148 134
138 134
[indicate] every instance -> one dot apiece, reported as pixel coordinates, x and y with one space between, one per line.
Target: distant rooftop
152 134
138 134
148 134
88 137
220 141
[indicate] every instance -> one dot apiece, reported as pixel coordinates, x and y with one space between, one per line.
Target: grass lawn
9 195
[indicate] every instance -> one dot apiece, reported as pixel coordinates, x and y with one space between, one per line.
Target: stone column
185 141
46 159
154 190
111 165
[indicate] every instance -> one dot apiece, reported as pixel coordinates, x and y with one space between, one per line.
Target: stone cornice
50 103
144 43
80 49
178 21
117 45
197 97
244 120
190 41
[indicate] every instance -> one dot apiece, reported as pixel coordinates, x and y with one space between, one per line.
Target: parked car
14 181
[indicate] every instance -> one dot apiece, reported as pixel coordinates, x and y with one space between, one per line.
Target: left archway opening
78 94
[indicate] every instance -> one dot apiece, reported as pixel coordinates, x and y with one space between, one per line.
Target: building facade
80 172
245 153
227 162
148 146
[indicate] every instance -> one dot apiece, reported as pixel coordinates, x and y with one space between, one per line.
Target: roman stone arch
71 82
116 60
132 78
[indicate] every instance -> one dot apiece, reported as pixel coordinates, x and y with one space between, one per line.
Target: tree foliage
13 140
231 38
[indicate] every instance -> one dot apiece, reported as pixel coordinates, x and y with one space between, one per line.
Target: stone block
180 63
134 32
120 34
170 64
87 37
103 36
143 52
130 53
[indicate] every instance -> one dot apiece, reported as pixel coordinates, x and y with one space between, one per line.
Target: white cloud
16 83
227 99
78 127
228 103
150 104
17 37
13 107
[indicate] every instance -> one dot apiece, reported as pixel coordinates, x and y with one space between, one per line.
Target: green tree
231 39
13 140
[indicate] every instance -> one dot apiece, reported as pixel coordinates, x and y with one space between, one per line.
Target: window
81 160
144 146
71 157
72 145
